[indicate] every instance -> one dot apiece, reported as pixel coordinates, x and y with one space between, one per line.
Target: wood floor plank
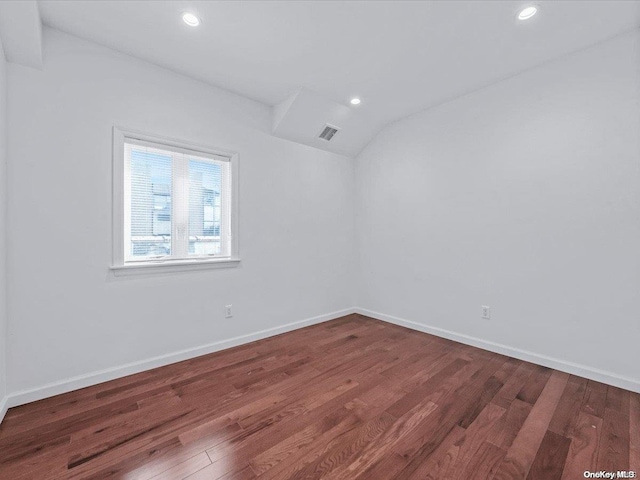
186 468
583 450
166 458
532 389
513 385
566 415
465 447
484 463
212 472
475 439
298 441
550 459
318 462
384 444
617 399
507 427
634 432
261 437
443 456
613 454
388 466
421 444
489 389
407 402
520 456
434 361
595 398
353 398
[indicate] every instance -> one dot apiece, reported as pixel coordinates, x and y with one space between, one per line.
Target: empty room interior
319 239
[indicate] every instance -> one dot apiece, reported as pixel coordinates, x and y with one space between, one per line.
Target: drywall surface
523 196
69 316
3 229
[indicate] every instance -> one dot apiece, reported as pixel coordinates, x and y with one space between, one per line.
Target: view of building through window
151 205
205 213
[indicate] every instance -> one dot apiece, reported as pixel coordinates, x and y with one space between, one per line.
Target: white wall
524 196
3 228
68 315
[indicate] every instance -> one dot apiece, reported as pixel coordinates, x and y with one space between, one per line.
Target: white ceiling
399 57
21 32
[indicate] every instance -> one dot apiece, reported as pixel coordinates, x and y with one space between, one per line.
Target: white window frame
156 265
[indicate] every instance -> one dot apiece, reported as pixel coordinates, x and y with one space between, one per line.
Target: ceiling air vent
328 132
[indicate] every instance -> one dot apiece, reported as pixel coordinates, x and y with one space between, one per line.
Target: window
174 204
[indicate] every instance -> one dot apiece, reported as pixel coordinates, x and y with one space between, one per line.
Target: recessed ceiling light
355 101
190 19
527 13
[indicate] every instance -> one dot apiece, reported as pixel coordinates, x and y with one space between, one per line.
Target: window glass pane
150 185
205 209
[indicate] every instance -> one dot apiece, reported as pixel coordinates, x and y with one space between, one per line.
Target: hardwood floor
350 398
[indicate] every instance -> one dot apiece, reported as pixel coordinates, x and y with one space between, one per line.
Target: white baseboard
557 364
94 378
4 406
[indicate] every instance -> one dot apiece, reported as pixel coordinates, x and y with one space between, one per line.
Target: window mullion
127 250
225 207
180 206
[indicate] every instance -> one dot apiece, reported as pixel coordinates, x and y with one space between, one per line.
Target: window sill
173 266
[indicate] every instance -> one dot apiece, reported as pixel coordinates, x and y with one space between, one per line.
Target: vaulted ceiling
398 57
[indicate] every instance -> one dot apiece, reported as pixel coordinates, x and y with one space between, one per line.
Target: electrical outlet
228 313
486 312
